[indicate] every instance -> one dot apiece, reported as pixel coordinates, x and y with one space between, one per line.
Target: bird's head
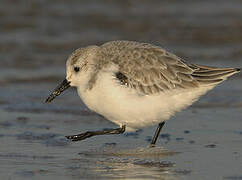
79 66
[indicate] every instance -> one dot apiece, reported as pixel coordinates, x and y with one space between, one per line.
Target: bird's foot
80 137
88 134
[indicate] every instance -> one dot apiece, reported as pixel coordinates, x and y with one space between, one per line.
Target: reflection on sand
139 163
154 152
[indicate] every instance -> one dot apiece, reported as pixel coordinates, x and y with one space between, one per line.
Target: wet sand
202 142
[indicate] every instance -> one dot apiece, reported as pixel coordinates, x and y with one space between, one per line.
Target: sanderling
135 84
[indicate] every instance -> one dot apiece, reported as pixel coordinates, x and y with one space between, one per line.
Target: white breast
124 106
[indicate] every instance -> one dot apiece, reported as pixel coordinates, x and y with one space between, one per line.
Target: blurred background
36 38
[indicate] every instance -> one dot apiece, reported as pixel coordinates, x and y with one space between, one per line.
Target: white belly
124 106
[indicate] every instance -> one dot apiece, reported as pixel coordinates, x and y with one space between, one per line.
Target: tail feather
213 72
207 75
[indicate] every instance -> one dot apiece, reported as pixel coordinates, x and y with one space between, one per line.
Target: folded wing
150 69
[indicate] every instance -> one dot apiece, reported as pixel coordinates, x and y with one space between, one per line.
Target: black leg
157 132
89 134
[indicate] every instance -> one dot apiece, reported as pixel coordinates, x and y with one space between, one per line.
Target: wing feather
150 69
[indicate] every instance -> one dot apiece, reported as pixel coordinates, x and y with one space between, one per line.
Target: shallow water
202 142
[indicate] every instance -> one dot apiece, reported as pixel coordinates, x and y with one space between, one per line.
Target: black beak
58 90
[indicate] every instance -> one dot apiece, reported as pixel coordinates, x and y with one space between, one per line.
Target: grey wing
152 70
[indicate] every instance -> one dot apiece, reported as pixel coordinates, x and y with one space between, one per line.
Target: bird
135 84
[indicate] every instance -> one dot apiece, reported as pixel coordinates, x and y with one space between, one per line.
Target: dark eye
76 69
